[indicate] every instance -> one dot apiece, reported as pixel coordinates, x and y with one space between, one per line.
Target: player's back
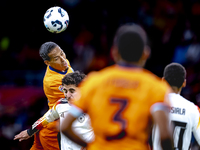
119 106
184 118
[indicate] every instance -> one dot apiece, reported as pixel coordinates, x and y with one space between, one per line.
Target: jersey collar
58 70
122 64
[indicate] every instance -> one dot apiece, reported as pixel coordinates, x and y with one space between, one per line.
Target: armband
31 131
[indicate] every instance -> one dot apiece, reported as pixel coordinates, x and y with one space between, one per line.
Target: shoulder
97 77
62 105
62 101
91 77
155 83
184 102
51 75
151 77
51 78
102 74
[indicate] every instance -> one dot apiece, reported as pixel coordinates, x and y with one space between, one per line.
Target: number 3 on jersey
117 117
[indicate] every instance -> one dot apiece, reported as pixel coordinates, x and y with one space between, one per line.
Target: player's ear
145 55
115 54
146 52
184 83
47 62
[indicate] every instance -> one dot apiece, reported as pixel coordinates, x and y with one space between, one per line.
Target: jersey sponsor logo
179 111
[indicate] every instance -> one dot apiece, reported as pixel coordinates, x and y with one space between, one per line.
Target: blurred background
172 27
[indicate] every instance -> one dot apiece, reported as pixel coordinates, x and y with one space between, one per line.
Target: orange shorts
46 138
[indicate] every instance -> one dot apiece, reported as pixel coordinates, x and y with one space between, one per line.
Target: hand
83 148
22 136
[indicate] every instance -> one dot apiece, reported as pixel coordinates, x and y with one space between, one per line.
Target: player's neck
130 63
176 90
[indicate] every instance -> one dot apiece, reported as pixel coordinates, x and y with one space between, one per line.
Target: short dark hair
73 78
130 40
45 49
175 74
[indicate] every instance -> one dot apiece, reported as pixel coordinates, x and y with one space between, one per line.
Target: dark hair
130 40
175 74
73 78
45 49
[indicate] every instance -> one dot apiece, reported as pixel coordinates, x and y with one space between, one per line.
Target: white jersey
184 118
81 125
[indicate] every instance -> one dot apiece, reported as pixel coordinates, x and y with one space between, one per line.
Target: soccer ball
56 19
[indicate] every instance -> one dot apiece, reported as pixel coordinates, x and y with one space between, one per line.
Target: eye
56 58
72 91
64 90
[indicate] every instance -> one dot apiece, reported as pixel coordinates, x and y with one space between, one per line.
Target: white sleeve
196 127
62 107
159 106
75 111
52 114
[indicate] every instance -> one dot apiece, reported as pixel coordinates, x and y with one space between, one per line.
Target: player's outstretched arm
50 116
23 135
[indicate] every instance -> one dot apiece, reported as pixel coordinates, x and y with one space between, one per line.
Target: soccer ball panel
56 19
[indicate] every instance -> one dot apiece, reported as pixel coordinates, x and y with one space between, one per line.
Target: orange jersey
118 100
47 137
52 82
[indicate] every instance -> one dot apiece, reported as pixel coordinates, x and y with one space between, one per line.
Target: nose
62 58
68 95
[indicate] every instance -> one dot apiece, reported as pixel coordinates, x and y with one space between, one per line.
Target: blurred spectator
83 49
